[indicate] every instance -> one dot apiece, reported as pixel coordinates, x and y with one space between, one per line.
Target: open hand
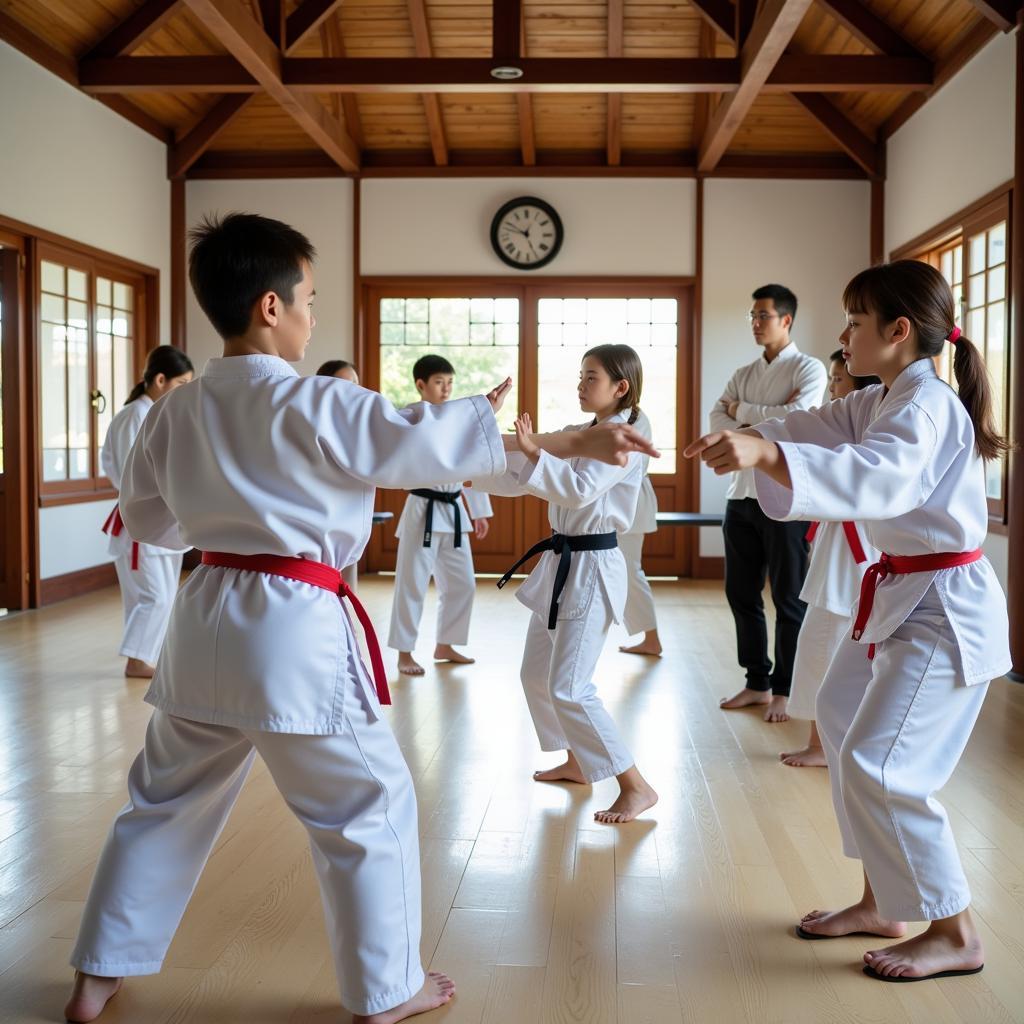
613 443
480 528
726 451
499 394
524 428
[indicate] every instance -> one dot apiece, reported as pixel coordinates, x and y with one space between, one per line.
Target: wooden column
179 277
877 253
1015 556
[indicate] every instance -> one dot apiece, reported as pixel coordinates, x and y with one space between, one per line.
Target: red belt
317 574
114 525
852 538
899 565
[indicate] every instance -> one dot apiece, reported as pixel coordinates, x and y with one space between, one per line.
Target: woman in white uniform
640 616
148 574
839 556
906 459
578 588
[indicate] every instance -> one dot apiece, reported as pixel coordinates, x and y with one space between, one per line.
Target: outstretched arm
607 442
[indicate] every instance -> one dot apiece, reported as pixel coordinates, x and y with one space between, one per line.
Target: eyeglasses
761 317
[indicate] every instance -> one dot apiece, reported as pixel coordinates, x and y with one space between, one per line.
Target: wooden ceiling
241 88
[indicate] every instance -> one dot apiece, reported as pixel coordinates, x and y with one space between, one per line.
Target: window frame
979 217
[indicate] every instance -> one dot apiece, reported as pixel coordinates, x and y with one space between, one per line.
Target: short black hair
332 366
236 258
782 298
426 366
858 382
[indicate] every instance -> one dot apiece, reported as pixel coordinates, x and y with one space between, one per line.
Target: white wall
71 166
954 150
321 208
811 236
612 226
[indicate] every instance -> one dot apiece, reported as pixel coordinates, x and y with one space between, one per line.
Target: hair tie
954 335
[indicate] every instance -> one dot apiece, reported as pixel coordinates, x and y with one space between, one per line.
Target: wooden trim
239 32
860 21
179 283
771 33
307 17
524 107
452 286
431 103
33 413
32 46
1015 486
271 17
614 100
971 42
219 164
507 29
951 225
74 584
182 155
1002 13
136 28
709 567
877 237
698 347
862 149
127 75
50 499
138 117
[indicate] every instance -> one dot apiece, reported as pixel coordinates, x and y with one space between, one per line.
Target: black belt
564 547
449 498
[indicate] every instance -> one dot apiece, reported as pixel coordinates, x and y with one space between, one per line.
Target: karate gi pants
452 569
351 791
558 679
147 594
639 616
893 730
820 636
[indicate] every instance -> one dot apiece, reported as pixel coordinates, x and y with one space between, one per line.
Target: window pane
994 478
77 314
392 334
121 324
76 284
105 385
103 291
417 334
449 322
52 277
78 402
123 295
52 364
997 284
549 334
977 253
574 311
392 310
52 308
976 326
639 311
481 334
995 360
417 311
958 264
946 265
549 311
506 311
976 291
123 382
664 311
481 311
997 245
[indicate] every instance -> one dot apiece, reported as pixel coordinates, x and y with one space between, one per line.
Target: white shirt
584 497
761 388
645 520
253 459
907 470
121 434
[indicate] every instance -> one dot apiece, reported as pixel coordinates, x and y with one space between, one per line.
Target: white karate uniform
584 497
894 727
830 589
639 615
253 459
147 592
451 567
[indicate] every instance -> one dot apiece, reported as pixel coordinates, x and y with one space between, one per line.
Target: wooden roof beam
131 33
860 21
524 105
865 151
246 41
307 18
616 21
182 155
719 14
506 31
431 103
1002 13
334 46
770 35
271 16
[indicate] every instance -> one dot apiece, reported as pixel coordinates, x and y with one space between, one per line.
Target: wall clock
527 233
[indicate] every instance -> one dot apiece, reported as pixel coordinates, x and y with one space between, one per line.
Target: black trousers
755 546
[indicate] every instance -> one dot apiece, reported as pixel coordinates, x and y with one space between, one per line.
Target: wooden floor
540 914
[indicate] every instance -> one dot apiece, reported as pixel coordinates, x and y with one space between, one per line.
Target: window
973 258
89 335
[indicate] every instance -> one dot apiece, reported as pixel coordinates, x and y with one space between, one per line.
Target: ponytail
917 291
975 390
165 359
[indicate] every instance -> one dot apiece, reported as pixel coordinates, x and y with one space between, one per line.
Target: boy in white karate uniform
148 575
839 555
903 693
433 540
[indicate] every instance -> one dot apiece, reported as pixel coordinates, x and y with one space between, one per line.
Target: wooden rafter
719 14
772 30
705 102
431 103
524 105
746 11
271 15
867 153
334 46
136 28
506 30
183 154
791 73
246 41
860 21
306 18
1002 13
615 48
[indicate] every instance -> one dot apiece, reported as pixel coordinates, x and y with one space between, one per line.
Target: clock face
526 233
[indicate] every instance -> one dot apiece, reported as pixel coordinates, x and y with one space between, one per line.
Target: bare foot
776 710
437 990
570 771
745 698
89 996
631 802
649 645
808 757
136 668
408 665
856 920
445 652
933 952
